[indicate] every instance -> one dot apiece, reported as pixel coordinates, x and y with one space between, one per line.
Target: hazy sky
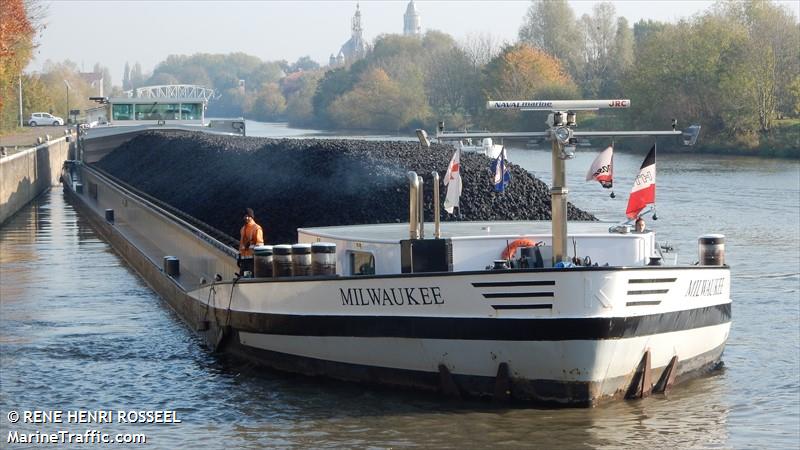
113 32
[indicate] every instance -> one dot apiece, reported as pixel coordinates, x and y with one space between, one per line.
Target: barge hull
207 256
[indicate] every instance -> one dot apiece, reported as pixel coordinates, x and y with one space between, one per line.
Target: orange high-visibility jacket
251 234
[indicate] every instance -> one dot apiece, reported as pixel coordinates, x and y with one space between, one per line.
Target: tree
126 77
599 31
269 105
396 109
772 52
304 63
137 77
523 72
106 74
299 109
550 26
17 32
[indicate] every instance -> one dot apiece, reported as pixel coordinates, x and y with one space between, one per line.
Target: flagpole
655 158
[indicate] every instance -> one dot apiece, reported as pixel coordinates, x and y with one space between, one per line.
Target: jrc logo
618 104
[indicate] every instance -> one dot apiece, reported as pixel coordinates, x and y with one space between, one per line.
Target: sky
115 32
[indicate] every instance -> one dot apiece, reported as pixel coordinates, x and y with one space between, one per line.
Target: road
25 138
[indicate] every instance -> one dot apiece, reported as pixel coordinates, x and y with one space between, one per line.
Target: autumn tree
550 26
522 72
269 104
16 49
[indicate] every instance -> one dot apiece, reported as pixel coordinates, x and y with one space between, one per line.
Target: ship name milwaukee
703 288
391 296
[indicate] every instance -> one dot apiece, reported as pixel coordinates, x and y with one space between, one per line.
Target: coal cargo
294 183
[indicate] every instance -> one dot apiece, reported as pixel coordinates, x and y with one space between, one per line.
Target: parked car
43 118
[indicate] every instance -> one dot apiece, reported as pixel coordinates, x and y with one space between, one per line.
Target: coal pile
295 183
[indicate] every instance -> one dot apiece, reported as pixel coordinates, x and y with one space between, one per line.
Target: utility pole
20 101
66 83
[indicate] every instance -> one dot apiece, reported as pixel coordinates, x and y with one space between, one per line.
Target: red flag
644 187
602 168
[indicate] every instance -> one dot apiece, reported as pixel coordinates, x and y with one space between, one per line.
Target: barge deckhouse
474 308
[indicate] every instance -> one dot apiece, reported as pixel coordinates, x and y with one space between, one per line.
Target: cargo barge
388 305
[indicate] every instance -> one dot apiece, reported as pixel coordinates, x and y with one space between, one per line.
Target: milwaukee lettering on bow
703 288
391 296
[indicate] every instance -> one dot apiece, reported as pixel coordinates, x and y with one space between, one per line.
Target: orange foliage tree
16 47
522 72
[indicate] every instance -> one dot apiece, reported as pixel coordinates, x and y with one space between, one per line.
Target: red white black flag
602 168
644 187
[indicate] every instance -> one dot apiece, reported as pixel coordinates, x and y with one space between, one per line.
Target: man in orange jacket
251 236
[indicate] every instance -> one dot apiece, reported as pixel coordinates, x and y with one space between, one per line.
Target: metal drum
323 258
711 250
172 266
282 260
262 264
301 259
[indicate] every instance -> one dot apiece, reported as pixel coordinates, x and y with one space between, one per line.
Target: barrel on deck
282 260
262 264
172 266
323 258
711 250
301 259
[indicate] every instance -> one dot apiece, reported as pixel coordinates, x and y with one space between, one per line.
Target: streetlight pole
66 83
20 100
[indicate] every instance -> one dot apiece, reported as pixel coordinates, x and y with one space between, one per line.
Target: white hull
594 337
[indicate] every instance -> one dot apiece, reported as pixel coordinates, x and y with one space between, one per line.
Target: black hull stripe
514 283
490 329
648 292
534 306
518 294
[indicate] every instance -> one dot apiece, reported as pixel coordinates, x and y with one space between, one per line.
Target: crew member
640 226
251 235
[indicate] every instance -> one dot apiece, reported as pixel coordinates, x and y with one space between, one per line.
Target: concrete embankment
26 174
294 183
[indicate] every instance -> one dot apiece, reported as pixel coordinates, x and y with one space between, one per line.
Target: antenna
558 105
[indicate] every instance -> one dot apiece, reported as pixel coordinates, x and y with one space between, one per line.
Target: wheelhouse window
190 111
362 263
157 111
122 112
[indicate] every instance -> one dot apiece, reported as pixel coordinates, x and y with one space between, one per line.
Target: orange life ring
511 249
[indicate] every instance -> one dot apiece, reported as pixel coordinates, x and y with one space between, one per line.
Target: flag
452 179
644 187
500 173
602 168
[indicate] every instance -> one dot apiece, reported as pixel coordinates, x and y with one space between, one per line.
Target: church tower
411 26
355 48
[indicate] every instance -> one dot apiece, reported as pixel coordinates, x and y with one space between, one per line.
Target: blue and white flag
500 173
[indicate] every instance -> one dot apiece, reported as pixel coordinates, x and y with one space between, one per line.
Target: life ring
511 249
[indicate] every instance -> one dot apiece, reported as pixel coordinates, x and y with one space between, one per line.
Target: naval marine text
391 296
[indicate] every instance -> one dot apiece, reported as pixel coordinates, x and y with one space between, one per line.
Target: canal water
80 330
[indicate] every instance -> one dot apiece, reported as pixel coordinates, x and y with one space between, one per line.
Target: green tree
378 102
299 109
269 105
550 26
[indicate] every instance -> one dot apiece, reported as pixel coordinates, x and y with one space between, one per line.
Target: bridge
182 91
